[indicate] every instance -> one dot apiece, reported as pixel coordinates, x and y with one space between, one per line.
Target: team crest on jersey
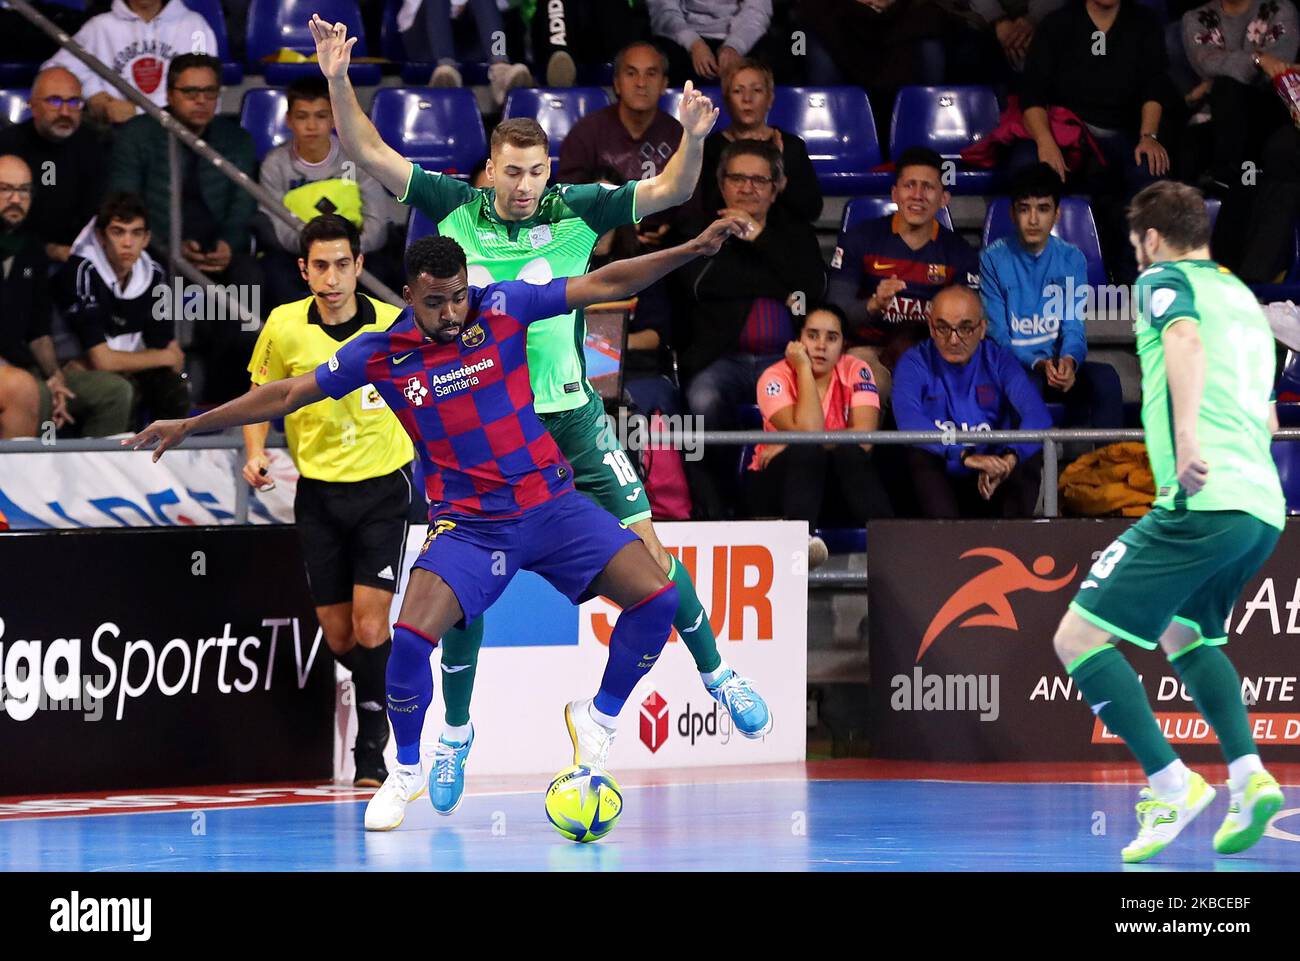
773 388
1160 301
936 273
540 235
473 336
415 392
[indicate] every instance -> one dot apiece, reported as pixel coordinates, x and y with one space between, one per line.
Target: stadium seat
232 74
837 125
440 129
1076 226
672 99
1289 288
13 105
867 208
417 226
18 74
557 110
273 24
947 120
263 114
843 540
1288 384
1286 454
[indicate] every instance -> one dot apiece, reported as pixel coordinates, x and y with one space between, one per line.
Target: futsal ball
584 803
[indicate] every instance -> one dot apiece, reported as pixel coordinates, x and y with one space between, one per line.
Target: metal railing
269 202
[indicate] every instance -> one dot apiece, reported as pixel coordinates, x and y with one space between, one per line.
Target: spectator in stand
313 175
740 304
888 269
958 380
427 36
216 214
1117 93
988 40
1222 39
817 386
65 157
748 88
106 294
632 139
706 38
1034 286
138 39
567 33
34 389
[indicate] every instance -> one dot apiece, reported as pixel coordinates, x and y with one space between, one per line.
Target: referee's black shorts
353 533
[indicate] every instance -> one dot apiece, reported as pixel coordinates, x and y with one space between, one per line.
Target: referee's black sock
368 679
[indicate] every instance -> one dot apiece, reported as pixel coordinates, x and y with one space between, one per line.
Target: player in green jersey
1170 581
521 229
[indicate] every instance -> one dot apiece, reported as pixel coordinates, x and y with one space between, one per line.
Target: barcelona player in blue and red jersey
453 368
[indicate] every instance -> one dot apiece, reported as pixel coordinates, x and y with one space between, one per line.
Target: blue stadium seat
1286 454
672 99
13 105
232 73
18 74
440 129
947 120
837 125
263 114
417 226
557 110
1288 384
1289 288
1076 226
868 208
273 24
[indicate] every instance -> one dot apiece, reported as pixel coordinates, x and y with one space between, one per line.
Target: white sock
453 734
1240 770
1170 781
607 721
714 676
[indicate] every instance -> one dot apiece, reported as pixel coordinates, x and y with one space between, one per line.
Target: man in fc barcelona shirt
887 270
453 368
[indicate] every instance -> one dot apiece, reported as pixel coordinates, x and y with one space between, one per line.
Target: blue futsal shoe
447 779
746 706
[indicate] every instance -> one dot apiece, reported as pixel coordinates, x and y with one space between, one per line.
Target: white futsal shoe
387 808
591 739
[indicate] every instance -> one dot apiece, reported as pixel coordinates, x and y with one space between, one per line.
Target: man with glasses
65 158
216 214
887 270
741 306
958 380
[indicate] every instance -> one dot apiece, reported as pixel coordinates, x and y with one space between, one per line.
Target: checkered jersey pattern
467 405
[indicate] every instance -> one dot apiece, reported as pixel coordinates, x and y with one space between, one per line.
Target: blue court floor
791 824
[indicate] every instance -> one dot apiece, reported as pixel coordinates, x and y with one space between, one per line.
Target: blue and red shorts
568 541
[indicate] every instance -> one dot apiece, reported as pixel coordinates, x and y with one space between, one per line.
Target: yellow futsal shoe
1249 814
1160 821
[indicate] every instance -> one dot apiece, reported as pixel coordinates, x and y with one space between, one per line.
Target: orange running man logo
992 589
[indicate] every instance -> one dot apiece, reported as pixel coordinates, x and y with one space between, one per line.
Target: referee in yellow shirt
354 494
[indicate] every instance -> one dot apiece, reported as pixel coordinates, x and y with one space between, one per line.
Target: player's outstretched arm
623 278
264 403
360 139
675 184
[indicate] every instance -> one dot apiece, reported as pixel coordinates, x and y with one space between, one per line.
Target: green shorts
601 468
1185 566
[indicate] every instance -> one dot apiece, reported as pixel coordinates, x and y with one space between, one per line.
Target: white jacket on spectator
738 23
138 52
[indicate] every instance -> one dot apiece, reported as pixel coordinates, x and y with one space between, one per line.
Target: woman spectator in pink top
818 387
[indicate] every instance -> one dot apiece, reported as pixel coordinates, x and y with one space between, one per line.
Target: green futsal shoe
1249 814
1160 821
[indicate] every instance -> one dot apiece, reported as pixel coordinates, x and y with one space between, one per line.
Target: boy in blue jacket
1032 285
958 380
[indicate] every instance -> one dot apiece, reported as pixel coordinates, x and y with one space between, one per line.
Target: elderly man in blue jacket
959 380
1034 287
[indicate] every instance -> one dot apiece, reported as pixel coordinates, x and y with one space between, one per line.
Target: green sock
1105 678
692 623
1215 687
460 650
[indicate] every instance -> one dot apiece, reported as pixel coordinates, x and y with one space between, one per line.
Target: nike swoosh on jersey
398 360
877 265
